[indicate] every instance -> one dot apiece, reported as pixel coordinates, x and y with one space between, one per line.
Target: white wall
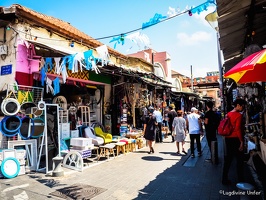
9 59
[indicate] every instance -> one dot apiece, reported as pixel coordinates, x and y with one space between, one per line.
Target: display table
134 134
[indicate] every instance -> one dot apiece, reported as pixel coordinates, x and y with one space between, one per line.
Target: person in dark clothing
210 123
149 129
171 115
234 143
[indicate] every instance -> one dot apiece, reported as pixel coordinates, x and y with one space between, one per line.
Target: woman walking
179 131
149 129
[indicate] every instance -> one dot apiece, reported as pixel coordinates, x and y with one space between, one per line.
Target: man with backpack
234 143
211 122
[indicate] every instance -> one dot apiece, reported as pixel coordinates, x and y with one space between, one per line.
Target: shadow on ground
202 180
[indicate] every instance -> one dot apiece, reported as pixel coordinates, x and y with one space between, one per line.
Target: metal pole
221 85
152 58
192 82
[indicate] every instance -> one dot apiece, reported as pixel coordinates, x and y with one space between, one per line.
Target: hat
193 109
172 105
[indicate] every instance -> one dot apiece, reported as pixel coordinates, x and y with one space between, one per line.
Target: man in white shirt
159 118
195 129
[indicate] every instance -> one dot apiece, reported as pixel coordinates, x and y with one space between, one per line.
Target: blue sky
189 40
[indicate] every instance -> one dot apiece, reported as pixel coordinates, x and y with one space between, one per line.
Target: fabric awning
59 49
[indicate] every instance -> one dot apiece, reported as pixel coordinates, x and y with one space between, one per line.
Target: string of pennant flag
139 38
73 62
157 18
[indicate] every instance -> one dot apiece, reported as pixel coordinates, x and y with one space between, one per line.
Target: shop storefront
55 88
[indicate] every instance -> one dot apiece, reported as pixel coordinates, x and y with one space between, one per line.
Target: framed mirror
52 137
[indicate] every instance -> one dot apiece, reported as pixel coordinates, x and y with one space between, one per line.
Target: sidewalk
137 175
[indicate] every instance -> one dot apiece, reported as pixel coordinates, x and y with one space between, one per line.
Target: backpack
225 127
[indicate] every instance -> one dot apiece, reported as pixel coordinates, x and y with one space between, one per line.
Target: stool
140 143
120 146
244 187
133 144
126 145
129 145
57 168
107 150
96 149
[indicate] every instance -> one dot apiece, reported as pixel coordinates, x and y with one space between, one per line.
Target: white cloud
196 38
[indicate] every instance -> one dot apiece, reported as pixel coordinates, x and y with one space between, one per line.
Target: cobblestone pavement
137 175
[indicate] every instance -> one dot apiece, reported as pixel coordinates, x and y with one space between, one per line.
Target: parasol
250 69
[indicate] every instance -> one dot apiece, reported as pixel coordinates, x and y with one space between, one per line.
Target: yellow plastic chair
106 136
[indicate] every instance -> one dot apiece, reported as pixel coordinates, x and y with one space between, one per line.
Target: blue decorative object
64 61
56 83
88 55
10 167
72 44
157 18
71 61
43 76
118 39
63 145
10 125
48 61
24 128
204 6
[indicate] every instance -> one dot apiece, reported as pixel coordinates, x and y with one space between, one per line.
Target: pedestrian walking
195 129
149 129
211 125
179 131
159 119
171 115
234 143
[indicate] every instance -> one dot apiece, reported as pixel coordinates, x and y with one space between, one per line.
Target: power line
100 38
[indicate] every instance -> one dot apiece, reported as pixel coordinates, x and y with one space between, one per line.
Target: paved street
137 175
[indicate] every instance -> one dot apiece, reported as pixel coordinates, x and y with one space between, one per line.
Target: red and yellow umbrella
250 69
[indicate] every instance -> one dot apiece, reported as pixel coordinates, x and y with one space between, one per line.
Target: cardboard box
80 142
74 133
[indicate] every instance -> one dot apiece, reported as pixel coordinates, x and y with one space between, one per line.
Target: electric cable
100 38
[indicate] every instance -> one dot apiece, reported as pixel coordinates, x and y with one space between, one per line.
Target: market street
137 175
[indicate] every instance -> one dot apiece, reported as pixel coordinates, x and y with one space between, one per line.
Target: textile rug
78 192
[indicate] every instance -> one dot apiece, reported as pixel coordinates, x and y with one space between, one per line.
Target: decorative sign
6 69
